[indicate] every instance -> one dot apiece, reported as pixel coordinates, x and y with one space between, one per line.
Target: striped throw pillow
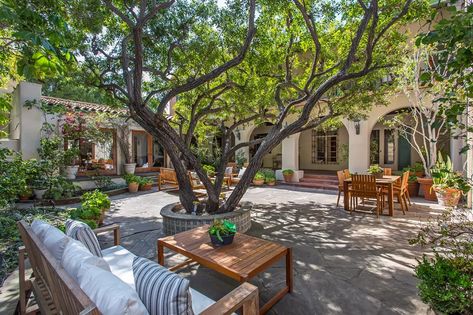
83 233
161 291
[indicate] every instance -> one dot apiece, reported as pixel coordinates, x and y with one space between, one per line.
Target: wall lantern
357 125
237 133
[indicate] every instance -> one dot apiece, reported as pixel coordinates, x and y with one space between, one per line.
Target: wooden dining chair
401 191
364 186
347 174
388 171
341 179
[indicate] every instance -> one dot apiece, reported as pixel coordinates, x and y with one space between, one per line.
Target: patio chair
341 178
364 186
347 174
388 171
402 193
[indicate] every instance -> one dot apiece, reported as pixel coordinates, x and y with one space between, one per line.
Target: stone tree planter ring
174 222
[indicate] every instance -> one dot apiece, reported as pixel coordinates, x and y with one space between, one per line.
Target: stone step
315 185
329 181
320 176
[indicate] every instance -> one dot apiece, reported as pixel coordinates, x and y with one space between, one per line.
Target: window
374 147
324 147
389 147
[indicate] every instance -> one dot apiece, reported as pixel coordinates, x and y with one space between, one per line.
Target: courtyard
343 264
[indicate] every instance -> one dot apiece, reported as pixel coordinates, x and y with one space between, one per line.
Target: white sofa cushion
199 301
39 228
111 295
161 291
55 241
120 261
83 233
75 254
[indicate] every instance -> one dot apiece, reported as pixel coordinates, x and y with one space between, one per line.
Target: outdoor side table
242 260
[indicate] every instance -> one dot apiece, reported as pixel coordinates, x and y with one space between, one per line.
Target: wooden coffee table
242 260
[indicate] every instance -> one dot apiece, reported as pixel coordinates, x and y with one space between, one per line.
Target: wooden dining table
386 181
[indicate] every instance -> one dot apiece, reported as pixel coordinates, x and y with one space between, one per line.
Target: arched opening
273 159
391 148
323 151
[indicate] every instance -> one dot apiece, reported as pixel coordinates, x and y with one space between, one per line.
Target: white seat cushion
120 261
199 301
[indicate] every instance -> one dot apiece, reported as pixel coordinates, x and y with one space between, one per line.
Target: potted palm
222 232
70 157
447 184
287 175
376 170
258 180
133 182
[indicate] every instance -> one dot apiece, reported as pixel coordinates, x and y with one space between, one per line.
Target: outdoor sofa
70 277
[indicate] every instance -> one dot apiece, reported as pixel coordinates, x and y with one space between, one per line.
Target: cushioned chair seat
120 261
199 301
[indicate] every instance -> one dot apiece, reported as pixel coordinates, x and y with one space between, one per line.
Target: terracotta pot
448 197
24 197
413 188
258 182
101 218
419 174
146 187
378 175
271 183
287 177
426 187
133 187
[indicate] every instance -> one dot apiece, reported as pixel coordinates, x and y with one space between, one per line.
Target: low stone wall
177 222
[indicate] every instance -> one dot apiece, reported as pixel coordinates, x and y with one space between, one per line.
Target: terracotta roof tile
82 106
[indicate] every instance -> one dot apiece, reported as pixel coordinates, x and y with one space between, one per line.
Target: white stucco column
358 146
290 157
243 134
26 123
455 147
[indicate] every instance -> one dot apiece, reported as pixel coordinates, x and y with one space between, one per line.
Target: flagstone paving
343 264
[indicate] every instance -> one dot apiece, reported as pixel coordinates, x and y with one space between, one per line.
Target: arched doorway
273 159
323 150
391 148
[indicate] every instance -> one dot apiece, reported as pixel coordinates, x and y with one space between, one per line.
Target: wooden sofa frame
56 292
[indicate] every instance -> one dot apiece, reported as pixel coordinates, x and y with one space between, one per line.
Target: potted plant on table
146 184
222 232
447 184
70 157
258 180
133 182
376 170
287 174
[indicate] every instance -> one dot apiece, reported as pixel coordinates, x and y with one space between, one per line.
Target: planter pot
258 182
175 221
426 188
24 197
101 218
226 240
448 197
129 168
133 187
378 175
71 171
419 174
271 183
413 188
287 177
146 187
39 193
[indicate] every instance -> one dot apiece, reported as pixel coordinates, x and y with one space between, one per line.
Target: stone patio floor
343 264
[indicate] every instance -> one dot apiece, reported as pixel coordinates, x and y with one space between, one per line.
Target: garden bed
175 220
76 199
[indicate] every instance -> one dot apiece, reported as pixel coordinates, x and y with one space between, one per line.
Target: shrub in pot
270 180
70 156
97 200
376 170
287 175
40 186
25 193
418 169
146 184
209 169
133 182
258 180
413 186
222 232
88 214
447 184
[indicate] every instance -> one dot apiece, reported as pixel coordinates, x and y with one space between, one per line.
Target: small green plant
145 181
259 176
96 199
86 214
209 169
418 167
375 169
412 179
287 172
61 188
131 178
270 179
102 182
70 155
444 177
222 228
